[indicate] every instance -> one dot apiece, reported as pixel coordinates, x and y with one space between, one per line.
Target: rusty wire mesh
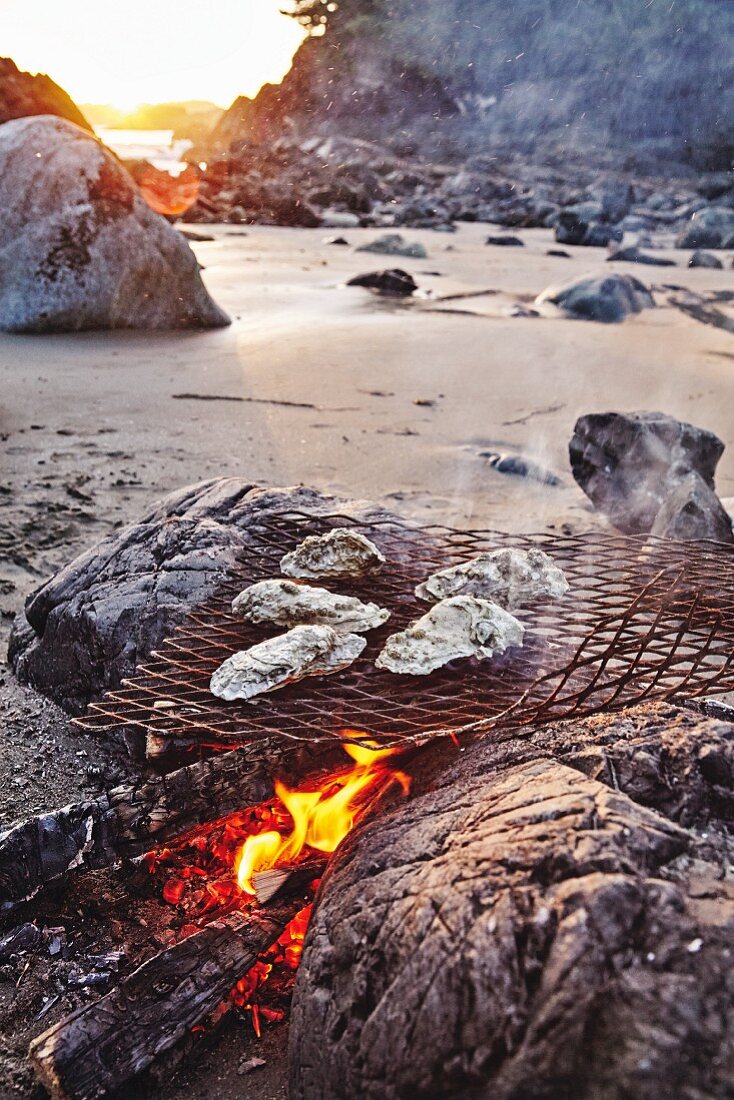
643 620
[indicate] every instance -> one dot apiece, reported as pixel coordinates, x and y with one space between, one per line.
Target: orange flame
321 817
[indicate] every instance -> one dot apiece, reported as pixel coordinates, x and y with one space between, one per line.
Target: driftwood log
130 820
548 916
105 1044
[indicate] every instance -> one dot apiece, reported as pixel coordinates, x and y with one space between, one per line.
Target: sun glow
148 51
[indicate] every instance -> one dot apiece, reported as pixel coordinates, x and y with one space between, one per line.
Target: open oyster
509 577
286 603
303 651
342 552
461 626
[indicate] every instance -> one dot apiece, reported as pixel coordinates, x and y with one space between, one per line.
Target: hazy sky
127 52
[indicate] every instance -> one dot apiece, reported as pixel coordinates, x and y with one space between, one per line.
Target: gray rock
79 247
633 255
571 227
693 511
607 298
599 235
394 244
87 628
705 259
615 198
711 227
629 464
394 283
529 925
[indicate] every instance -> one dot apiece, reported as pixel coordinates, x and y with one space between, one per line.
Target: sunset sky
151 51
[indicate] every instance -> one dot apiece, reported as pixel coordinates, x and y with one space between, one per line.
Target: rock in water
607 298
509 577
303 651
286 603
628 464
79 248
394 283
394 244
462 626
693 511
341 552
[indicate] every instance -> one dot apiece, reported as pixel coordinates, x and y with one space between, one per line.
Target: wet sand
325 385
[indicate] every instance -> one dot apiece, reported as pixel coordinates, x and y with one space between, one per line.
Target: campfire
237 842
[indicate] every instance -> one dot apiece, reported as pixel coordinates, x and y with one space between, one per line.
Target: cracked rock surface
88 627
548 917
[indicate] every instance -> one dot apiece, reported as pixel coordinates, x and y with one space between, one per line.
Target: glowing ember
321 817
209 872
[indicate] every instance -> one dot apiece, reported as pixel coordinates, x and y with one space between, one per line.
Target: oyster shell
303 651
461 626
286 603
342 552
509 577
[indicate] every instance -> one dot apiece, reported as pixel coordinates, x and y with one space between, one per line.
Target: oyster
509 577
461 626
303 651
340 553
286 603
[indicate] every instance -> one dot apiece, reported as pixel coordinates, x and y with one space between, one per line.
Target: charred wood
102 1045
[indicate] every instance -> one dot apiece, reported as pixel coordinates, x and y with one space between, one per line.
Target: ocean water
156 146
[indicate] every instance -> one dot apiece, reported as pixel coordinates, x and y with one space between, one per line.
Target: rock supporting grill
645 619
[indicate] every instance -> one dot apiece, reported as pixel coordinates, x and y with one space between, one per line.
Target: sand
327 386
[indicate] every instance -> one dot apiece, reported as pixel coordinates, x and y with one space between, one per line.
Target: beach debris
462 626
394 244
630 464
393 283
560 253
301 652
510 577
79 247
633 255
700 258
341 552
342 241
606 298
286 603
518 466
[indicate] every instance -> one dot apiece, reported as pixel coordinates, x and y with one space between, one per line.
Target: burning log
130 820
102 1045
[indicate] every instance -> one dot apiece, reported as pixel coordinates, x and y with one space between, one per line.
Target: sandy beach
329 386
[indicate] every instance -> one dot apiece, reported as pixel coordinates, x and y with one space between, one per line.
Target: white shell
509 577
286 603
462 626
340 553
303 651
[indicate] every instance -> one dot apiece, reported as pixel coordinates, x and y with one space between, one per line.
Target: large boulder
22 94
607 298
79 248
629 464
536 923
87 628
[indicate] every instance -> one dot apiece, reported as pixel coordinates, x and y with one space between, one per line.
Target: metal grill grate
644 620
